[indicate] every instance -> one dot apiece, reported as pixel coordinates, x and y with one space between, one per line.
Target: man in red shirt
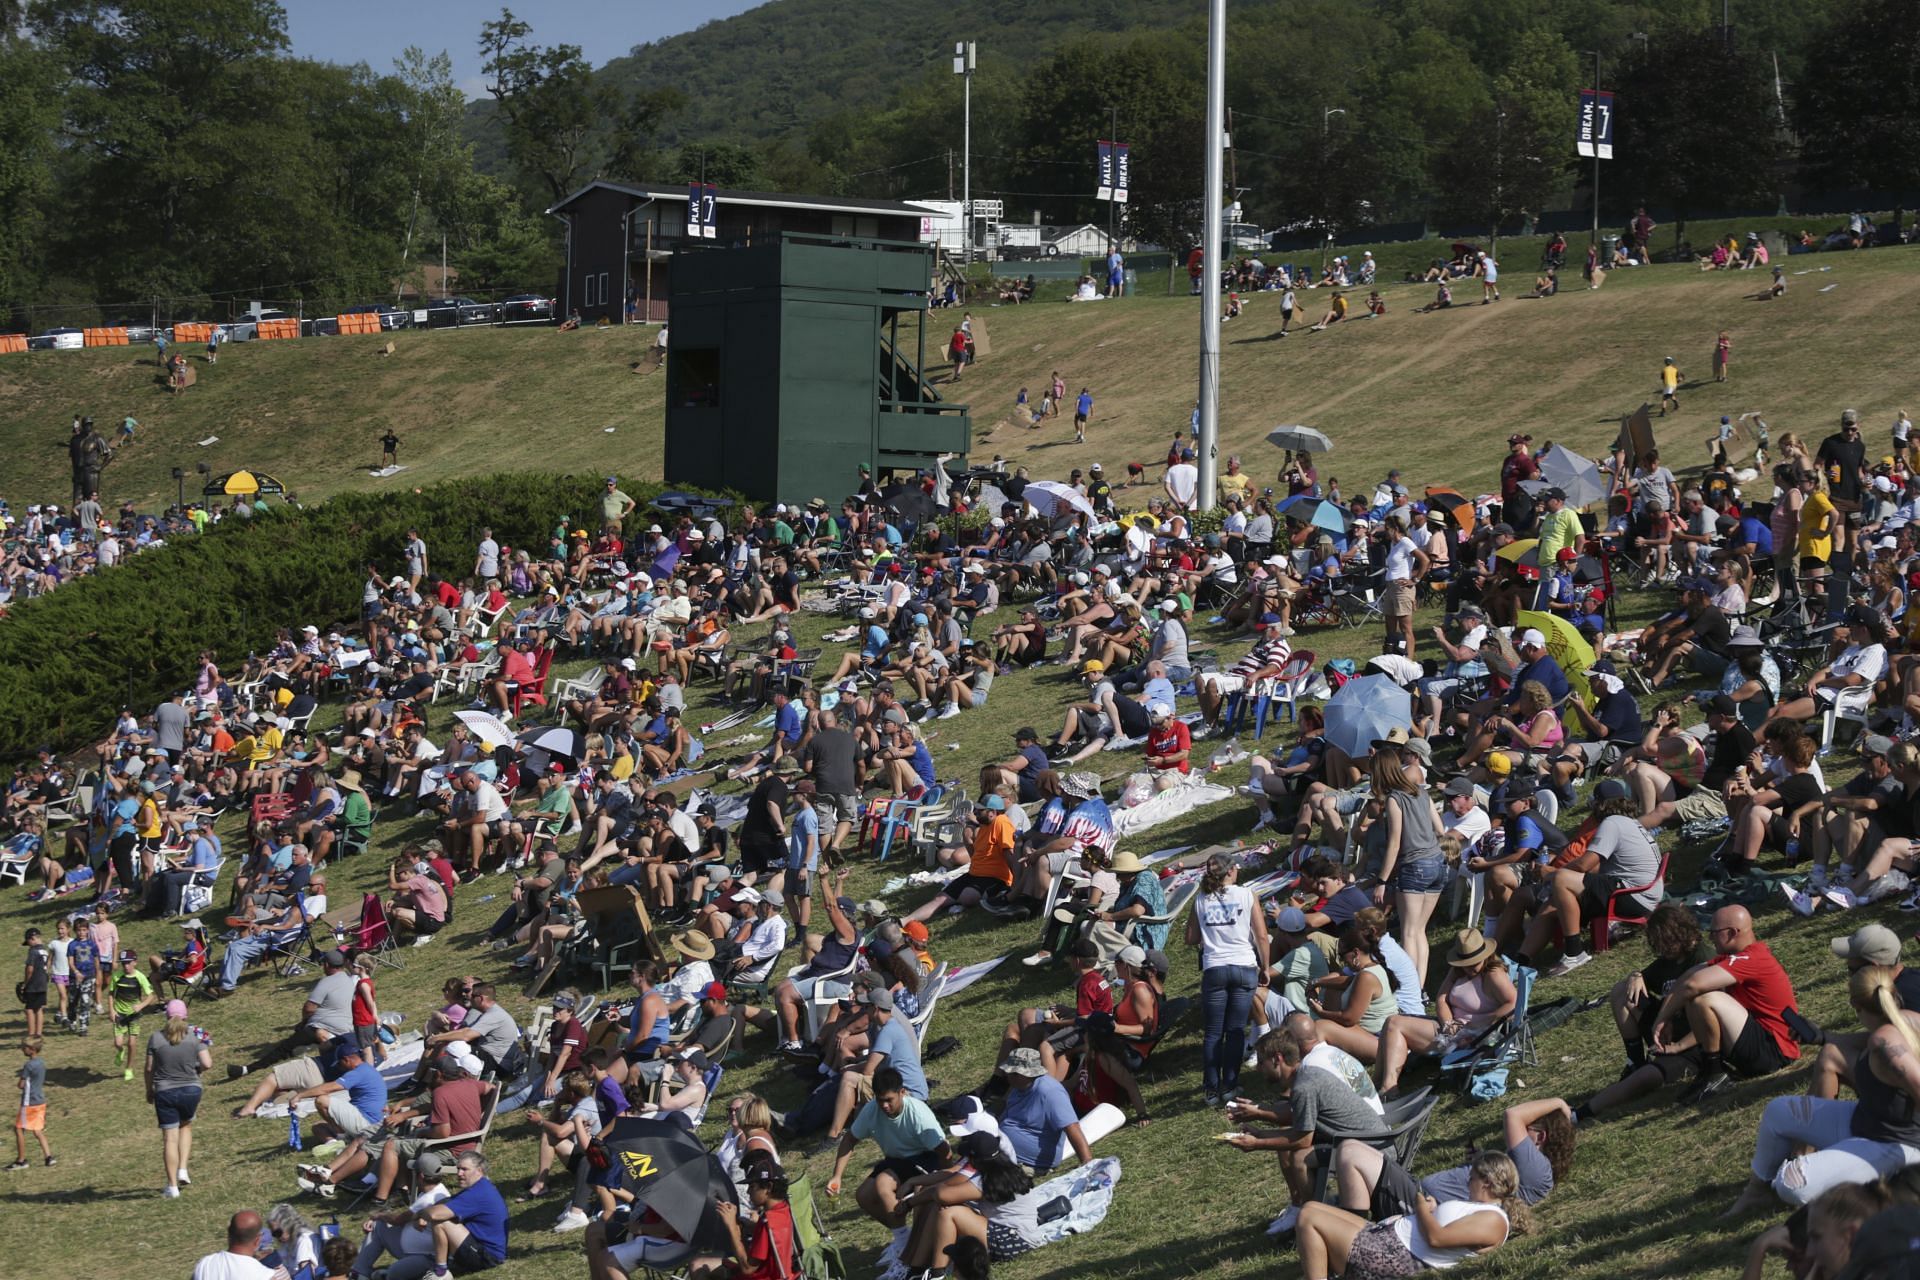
1169 743
1723 1019
516 672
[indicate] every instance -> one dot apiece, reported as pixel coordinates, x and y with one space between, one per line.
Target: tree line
173 152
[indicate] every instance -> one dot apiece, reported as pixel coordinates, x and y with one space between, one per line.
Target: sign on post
1113 172
703 217
1594 134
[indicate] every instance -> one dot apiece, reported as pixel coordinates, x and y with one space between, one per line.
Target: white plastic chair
1851 705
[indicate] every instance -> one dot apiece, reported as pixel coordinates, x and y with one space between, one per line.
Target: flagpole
1210 251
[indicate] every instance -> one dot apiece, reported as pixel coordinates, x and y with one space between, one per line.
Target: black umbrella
692 504
555 740
670 1172
910 503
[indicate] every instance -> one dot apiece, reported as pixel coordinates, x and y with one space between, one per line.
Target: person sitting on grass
986 1202
1539 1138
1364 993
988 872
1336 312
1435 1236
467 1231
1721 1020
911 1144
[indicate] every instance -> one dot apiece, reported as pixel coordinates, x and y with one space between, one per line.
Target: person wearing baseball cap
989 870
1264 661
1858 667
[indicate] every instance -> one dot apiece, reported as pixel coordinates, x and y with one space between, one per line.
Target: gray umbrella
1363 710
1300 440
1579 478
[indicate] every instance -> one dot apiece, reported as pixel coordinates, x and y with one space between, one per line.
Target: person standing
1669 386
615 506
1286 309
1231 933
1489 272
389 448
1116 272
1056 394
1182 482
1902 433
131 993
1082 414
1407 564
176 1059
1722 356
1559 530
33 989
486 559
416 555
32 1115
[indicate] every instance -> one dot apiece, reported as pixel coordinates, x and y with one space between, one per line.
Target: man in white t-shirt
478 810
1182 482
1460 812
1316 1054
236 1261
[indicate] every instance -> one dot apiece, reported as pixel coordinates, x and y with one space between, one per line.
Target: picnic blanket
1165 806
961 979
396 1071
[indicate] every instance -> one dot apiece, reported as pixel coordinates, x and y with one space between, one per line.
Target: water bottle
488 897
293 1129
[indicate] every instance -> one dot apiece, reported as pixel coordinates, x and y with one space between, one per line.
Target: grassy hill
1435 395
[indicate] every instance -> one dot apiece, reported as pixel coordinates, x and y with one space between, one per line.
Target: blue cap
1269 619
995 803
1186 453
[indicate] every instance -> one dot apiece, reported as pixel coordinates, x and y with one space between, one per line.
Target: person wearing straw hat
1475 995
694 974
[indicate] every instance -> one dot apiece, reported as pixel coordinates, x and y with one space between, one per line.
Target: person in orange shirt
989 872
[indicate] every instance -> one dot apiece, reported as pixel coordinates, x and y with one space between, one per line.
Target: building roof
678 192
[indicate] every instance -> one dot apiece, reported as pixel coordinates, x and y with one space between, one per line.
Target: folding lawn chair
1508 1043
375 936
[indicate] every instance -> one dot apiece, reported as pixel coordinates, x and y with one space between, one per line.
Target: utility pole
1210 250
1114 113
963 64
1326 215
949 173
1499 182
1595 235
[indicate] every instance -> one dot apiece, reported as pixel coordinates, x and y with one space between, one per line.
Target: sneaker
127 1074
953 709
185 1181
1037 959
572 1220
235 1070
1804 904
1911 902
1708 1087
792 1047
171 1193
1569 963
17 1164
51 1161
1285 1223
1841 897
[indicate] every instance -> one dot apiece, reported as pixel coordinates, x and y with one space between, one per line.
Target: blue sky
375 31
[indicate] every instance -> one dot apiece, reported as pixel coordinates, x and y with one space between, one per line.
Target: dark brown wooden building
621 238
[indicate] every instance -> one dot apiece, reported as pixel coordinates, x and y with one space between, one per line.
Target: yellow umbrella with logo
1564 643
1514 550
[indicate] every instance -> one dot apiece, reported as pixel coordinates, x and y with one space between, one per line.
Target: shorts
650 1253
425 925
1003 1242
1699 803
368 1038
1224 683
470 1257
845 808
1398 600
33 1000
979 698
1377 1254
831 988
802 886
31 1119
982 885
1348 803
298 1073
60 979
904 1167
175 1107
1079 419
1422 875
1751 1056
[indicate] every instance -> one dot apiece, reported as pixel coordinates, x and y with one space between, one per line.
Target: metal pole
1596 164
966 162
1210 250
649 264
1112 243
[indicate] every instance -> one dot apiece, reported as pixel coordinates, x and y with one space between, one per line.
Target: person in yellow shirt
268 739
1815 542
1669 384
1234 483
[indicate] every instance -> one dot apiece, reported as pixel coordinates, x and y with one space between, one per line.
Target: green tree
29 118
547 102
1857 105
724 164
1516 154
1695 126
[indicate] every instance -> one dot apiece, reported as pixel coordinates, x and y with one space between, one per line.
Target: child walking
1669 387
366 1012
62 968
1722 356
32 1118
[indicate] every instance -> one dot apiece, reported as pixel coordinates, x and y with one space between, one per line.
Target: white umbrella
555 740
1050 498
487 727
1300 440
1577 477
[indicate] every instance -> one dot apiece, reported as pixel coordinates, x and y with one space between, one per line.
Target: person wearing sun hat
1474 997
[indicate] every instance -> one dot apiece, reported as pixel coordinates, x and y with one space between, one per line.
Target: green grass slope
1435 395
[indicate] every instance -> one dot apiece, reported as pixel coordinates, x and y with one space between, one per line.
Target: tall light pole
1326 216
1210 249
963 62
1595 241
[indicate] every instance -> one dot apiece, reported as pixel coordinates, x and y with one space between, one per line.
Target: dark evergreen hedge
69 660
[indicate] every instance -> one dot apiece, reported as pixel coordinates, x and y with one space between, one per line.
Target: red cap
714 991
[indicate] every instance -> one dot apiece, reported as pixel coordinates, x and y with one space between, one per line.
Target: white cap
1532 636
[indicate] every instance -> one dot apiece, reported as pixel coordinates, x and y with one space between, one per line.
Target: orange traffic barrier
103 337
194 332
12 342
359 322
271 329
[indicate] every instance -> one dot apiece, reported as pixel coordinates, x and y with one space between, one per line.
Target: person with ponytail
1434 1237
1366 997
1866 1140
1231 932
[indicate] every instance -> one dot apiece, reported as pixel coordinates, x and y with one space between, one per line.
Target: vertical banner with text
1594 133
1120 179
1106 171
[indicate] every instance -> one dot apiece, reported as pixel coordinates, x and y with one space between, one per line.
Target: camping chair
622 933
819 1255
374 936
1357 598
1406 1128
354 838
819 1007
1183 895
286 952
580 687
1851 705
14 866
930 990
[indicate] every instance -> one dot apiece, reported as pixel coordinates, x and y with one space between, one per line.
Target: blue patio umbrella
1363 710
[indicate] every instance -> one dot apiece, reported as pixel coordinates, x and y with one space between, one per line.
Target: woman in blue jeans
1406 840
1227 926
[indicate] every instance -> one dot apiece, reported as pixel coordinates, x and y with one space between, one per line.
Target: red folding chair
375 934
536 692
1604 922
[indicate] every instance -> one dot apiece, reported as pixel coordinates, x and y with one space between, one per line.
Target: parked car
527 308
62 339
462 310
247 327
138 331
